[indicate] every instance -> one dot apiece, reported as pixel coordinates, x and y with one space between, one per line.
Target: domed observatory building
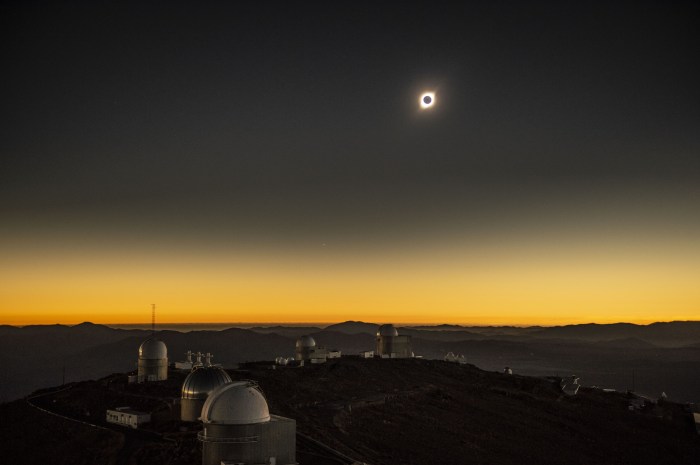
238 428
196 388
391 345
306 350
153 361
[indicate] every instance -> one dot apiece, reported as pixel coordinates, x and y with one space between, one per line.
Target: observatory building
238 428
391 345
306 350
153 360
197 386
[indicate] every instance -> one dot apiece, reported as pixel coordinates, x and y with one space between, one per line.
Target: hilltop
615 356
382 412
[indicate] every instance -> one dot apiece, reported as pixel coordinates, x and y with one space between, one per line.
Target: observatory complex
391 345
306 350
238 428
153 361
197 386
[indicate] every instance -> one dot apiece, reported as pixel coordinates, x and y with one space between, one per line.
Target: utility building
238 428
197 386
391 345
127 416
153 361
186 364
307 351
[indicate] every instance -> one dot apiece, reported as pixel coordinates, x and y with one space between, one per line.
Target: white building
153 361
391 345
126 416
185 364
367 354
307 351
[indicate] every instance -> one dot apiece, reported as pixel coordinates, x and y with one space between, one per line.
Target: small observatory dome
239 403
202 381
387 330
306 341
152 349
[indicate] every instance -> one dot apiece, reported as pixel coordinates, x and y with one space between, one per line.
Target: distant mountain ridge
671 334
664 356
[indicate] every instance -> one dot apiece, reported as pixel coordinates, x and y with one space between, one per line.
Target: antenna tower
153 319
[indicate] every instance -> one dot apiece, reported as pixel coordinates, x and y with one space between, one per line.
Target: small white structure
451 357
186 364
508 371
334 353
367 354
569 385
570 389
126 416
306 350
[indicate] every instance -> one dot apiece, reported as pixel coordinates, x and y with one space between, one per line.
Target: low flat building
126 416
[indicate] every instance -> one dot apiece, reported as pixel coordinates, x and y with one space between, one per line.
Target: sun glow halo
427 100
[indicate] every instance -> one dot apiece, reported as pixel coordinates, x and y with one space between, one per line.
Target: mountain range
647 358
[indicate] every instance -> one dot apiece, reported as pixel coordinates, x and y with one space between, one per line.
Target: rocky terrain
375 411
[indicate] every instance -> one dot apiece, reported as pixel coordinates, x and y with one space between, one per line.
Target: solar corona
427 100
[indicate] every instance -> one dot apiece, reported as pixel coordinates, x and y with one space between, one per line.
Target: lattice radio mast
153 319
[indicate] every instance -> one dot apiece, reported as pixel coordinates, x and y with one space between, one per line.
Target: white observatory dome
202 381
387 330
306 341
239 403
152 348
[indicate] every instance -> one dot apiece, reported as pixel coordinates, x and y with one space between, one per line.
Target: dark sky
307 111
293 124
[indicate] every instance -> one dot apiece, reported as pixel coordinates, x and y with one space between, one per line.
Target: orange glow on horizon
505 286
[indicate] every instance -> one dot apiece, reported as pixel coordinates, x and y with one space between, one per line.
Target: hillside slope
378 411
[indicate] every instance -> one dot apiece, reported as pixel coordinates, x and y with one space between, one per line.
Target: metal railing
241 440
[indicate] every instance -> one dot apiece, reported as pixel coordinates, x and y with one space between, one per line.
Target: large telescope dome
202 381
239 403
387 330
306 341
153 349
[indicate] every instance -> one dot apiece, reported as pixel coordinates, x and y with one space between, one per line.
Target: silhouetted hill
354 327
350 344
382 412
287 331
35 356
627 343
671 334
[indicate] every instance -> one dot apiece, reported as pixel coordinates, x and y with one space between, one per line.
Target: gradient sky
269 162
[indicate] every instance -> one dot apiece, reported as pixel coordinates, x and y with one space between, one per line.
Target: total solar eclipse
427 100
